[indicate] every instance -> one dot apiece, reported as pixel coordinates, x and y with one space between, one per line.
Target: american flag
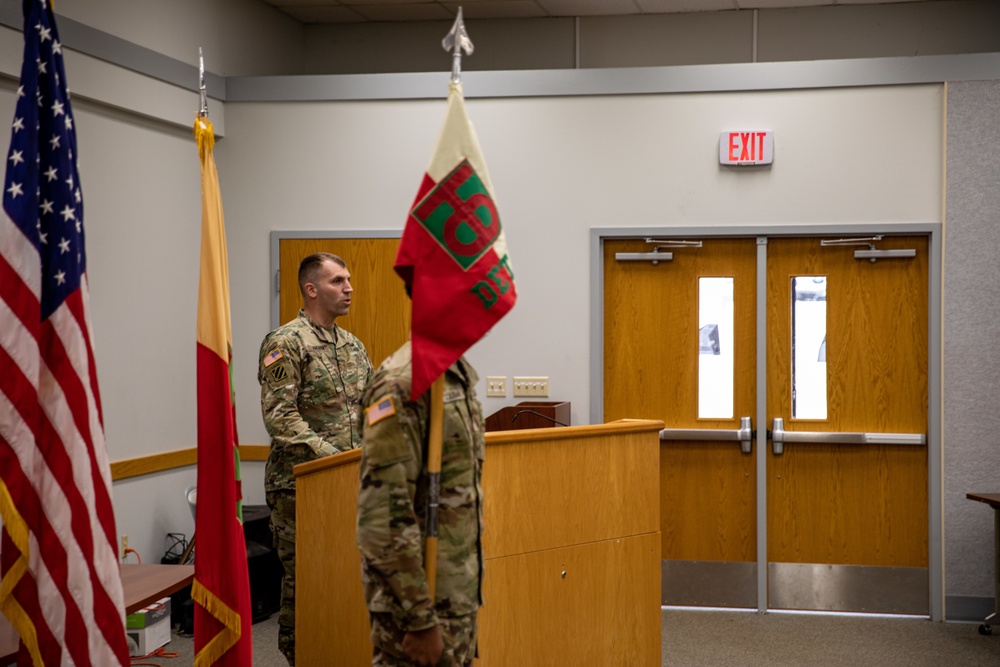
61 586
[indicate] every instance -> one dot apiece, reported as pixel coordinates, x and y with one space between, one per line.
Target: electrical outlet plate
531 386
496 385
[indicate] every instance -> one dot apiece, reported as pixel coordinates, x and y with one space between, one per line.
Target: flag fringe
17 528
225 639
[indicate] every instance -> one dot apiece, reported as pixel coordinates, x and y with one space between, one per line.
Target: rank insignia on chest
382 409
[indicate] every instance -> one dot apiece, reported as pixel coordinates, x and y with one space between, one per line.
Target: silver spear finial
203 112
456 41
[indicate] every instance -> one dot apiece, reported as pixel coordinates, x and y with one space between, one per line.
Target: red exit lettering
746 147
750 145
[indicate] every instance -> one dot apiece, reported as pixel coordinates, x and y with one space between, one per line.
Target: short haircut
309 267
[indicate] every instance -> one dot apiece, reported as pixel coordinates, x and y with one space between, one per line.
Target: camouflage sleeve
368 362
280 378
389 533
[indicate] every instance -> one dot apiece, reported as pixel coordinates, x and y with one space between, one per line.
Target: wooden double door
834 514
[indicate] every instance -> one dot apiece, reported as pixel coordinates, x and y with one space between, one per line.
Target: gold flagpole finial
456 41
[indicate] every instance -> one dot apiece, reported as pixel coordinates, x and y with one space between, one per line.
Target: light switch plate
531 386
496 385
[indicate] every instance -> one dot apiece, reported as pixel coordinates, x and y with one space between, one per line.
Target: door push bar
744 434
779 436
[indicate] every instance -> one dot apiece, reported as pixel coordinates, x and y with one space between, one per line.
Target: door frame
933 230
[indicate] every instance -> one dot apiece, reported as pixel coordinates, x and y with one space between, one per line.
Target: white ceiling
363 11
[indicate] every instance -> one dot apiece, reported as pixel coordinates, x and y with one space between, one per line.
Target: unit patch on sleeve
278 374
383 408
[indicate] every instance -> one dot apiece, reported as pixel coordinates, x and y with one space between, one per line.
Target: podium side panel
604 611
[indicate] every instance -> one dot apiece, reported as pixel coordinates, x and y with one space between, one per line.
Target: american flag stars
52 448
60 552
48 190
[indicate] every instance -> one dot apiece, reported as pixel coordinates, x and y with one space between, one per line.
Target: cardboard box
148 629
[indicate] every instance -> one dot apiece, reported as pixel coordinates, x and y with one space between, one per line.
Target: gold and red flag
221 589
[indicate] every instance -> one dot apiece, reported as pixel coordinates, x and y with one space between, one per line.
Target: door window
715 348
808 347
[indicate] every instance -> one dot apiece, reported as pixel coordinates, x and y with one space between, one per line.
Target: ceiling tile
424 11
677 6
302 3
328 14
498 9
590 7
366 3
782 4
872 2
352 11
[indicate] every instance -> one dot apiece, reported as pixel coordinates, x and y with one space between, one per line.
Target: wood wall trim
145 465
254 452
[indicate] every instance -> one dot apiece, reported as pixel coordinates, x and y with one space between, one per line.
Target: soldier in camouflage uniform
312 374
408 627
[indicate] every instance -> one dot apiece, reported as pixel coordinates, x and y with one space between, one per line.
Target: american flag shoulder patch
274 355
384 407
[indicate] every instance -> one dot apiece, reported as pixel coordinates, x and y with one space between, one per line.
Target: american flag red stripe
60 584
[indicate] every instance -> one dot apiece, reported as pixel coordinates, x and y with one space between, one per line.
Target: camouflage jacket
311 380
392 497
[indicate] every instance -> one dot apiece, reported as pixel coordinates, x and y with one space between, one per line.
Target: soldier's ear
310 290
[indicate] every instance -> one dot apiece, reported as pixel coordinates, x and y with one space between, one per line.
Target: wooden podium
571 541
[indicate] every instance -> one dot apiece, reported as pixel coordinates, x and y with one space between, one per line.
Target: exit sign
746 148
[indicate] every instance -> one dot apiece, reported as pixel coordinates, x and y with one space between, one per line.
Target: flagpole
433 482
456 41
221 587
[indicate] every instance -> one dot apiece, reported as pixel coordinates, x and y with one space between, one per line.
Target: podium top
568 432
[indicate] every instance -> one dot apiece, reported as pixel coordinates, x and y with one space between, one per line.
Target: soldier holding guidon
409 625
